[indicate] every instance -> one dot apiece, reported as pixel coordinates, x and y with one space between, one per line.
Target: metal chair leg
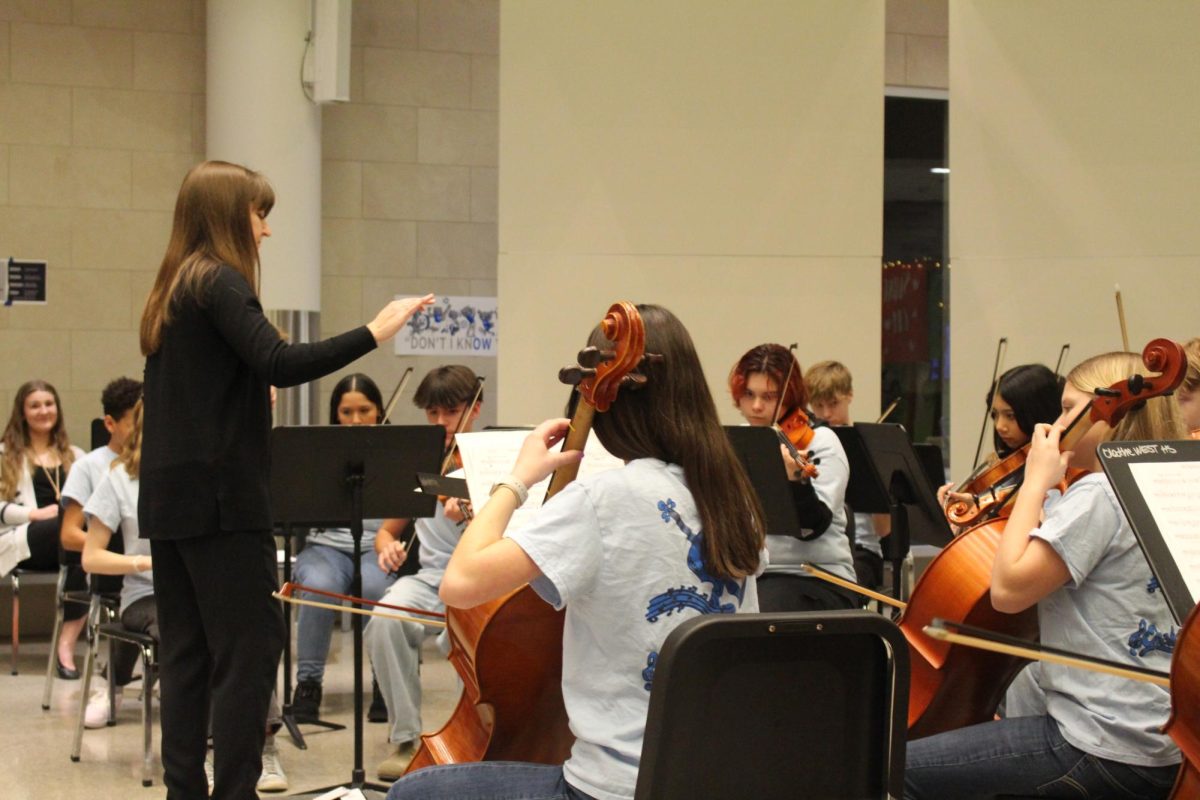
148 674
16 619
52 661
88 665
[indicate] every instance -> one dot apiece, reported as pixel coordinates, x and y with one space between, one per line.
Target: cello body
953 686
509 654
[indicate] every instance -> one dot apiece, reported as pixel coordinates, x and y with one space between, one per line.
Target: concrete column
257 114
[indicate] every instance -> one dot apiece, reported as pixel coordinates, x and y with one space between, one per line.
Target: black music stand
758 450
1172 558
887 477
339 474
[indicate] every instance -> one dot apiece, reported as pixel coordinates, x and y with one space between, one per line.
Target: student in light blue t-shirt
613 548
1074 555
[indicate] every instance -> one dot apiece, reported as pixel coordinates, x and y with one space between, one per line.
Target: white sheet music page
1171 490
489 456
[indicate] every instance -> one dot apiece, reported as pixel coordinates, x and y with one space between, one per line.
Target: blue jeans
330 570
489 780
1025 757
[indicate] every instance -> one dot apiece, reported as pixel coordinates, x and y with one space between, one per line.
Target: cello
958 581
508 651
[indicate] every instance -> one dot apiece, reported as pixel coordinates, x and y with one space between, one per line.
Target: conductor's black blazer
207 416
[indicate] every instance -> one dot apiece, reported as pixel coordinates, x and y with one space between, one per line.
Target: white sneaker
273 778
96 715
208 768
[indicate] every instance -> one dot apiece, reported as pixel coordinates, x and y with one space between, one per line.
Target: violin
993 487
954 687
794 431
508 651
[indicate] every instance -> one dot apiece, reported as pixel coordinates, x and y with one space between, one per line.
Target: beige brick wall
409 171
100 114
916 49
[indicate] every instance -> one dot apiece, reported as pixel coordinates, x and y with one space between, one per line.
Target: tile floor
35 745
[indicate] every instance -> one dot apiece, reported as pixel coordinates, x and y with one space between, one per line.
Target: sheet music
489 456
1171 490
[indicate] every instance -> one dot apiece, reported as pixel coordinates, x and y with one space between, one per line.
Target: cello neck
577 436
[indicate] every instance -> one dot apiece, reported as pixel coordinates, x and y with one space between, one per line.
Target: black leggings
43 556
140 616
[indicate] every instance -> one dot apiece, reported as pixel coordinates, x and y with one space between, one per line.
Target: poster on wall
453 325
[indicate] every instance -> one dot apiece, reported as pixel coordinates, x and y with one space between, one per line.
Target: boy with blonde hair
830 391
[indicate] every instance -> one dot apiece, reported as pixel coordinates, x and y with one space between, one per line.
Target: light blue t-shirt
87 473
831 550
621 550
438 536
864 533
1110 608
114 503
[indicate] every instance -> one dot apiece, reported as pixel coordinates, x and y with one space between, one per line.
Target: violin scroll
1163 356
601 373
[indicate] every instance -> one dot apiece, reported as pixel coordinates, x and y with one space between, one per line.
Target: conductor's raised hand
536 461
391 318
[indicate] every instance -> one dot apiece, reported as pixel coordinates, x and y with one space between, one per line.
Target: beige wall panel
45 355
107 239
34 114
926 61
1075 149
416 78
156 179
729 304
921 17
168 62
56 11
724 160
446 136
418 192
341 188
385 23
485 193
64 177
158 121
42 234
456 249
368 133
1076 128
3 173
98 357
463 26
71 56
141 15
712 128
485 82
4 70
368 247
78 299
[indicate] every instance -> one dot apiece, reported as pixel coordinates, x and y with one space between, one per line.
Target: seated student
35 460
118 399
327 560
830 391
680 513
111 507
1188 393
395 646
756 383
1075 557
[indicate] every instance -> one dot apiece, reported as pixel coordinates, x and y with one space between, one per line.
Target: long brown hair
673 418
211 227
1158 419
16 438
773 361
131 453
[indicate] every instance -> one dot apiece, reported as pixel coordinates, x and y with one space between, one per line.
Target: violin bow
887 412
287 592
1121 319
783 389
1062 355
858 588
399 390
1001 350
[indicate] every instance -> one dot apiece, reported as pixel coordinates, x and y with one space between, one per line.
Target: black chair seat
115 630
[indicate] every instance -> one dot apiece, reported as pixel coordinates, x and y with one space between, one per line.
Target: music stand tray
335 476
758 450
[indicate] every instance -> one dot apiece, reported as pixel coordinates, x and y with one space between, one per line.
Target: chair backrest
811 704
99 433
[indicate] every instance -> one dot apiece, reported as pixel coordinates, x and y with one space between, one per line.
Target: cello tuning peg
592 356
653 358
633 381
575 374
